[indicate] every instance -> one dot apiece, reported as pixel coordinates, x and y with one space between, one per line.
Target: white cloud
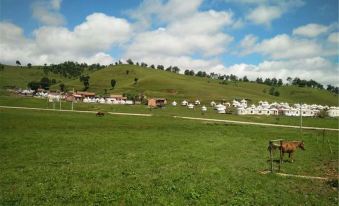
267 11
163 11
334 38
265 14
316 68
56 4
47 12
98 33
249 41
202 22
285 47
89 40
310 30
186 32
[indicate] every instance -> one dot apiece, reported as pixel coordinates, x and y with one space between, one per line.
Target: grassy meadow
55 158
157 83
66 158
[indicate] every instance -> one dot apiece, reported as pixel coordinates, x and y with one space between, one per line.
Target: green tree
289 79
113 83
33 85
17 62
271 91
29 65
160 67
245 79
129 61
62 87
45 83
2 67
136 80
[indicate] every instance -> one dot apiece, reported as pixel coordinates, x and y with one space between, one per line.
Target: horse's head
301 145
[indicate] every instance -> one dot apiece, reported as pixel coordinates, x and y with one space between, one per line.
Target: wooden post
271 158
301 122
323 136
328 142
280 149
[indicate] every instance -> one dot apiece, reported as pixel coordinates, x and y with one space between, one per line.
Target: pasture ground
54 158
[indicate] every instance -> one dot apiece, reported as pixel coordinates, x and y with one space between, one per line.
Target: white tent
190 106
174 103
184 103
221 110
203 108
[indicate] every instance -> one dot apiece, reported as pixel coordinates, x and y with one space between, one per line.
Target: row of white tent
265 108
107 101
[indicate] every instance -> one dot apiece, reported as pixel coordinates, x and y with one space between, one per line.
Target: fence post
280 149
271 158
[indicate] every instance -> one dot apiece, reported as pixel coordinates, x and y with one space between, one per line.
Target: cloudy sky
266 38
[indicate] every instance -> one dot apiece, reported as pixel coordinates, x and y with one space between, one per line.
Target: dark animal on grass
99 114
287 147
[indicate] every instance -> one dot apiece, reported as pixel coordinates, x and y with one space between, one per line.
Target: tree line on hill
70 69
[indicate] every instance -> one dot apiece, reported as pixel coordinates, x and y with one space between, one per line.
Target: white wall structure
333 112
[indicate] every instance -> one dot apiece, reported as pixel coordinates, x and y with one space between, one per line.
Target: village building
333 112
156 102
118 97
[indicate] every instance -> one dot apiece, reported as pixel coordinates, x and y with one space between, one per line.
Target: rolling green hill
157 83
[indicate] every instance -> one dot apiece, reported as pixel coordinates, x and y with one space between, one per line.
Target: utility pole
73 100
301 121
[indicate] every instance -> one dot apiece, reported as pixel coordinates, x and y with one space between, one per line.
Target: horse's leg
292 157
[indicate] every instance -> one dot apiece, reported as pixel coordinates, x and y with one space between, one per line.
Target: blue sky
244 37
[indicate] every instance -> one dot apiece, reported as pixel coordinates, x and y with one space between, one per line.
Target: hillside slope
157 83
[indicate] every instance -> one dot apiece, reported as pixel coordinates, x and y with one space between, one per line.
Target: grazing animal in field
99 114
287 147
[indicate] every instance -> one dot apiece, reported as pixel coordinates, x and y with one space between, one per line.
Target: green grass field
168 111
55 158
58 158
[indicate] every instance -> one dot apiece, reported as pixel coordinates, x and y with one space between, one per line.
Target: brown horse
287 147
99 114
291 146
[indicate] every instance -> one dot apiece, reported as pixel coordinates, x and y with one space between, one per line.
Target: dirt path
255 123
78 111
180 117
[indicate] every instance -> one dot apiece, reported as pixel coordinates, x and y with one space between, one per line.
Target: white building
333 112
